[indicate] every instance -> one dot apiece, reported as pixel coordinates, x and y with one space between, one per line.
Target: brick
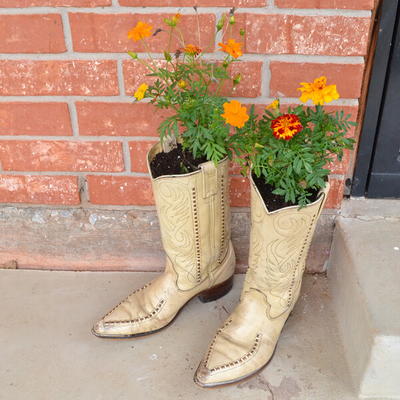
109 32
340 167
239 191
22 118
120 190
119 119
138 152
63 190
190 3
335 4
250 85
60 78
298 34
31 34
61 156
286 77
54 3
335 195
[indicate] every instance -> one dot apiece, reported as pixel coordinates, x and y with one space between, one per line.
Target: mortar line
189 11
67 31
76 173
73 118
121 56
126 155
128 99
265 79
86 138
120 76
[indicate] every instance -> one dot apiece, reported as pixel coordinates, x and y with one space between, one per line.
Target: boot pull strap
210 181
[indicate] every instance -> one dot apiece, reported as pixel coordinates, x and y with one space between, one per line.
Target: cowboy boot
194 216
279 244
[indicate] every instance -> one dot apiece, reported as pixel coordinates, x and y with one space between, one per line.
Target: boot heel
217 291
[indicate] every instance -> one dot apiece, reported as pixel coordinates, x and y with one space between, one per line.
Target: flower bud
221 22
225 64
167 56
133 54
242 32
231 20
236 79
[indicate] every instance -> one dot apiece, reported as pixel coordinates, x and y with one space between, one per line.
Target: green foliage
294 167
191 91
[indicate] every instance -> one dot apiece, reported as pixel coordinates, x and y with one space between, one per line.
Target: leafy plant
190 86
291 150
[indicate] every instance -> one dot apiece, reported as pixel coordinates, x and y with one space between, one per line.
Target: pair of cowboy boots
194 215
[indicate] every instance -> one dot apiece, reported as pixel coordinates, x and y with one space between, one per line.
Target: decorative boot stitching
223 227
196 235
304 248
212 344
148 316
126 298
242 359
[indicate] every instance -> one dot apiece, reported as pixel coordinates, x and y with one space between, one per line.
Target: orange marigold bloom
232 47
235 114
318 91
140 31
192 50
286 126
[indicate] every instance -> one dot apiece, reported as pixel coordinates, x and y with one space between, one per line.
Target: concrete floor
48 353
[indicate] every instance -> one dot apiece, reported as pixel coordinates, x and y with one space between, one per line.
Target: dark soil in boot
276 201
175 162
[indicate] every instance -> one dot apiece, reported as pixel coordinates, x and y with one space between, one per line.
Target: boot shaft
279 244
194 214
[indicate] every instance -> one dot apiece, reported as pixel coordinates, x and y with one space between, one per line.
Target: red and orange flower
192 50
286 126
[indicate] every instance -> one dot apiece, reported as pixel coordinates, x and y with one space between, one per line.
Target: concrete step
47 351
364 279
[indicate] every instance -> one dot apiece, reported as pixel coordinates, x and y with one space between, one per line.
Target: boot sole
205 296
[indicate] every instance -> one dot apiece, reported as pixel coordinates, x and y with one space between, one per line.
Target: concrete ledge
113 240
364 278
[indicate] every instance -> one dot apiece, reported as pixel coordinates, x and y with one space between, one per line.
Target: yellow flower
141 91
140 31
318 91
182 84
232 47
234 114
273 106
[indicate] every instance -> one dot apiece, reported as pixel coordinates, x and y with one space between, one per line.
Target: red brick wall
69 134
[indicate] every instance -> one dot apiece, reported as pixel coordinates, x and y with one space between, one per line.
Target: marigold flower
232 47
318 91
286 126
273 106
141 91
140 31
235 114
192 50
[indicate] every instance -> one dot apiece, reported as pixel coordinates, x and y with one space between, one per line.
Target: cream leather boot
194 215
279 244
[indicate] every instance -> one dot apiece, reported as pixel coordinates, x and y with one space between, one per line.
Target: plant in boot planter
289 153
189 171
